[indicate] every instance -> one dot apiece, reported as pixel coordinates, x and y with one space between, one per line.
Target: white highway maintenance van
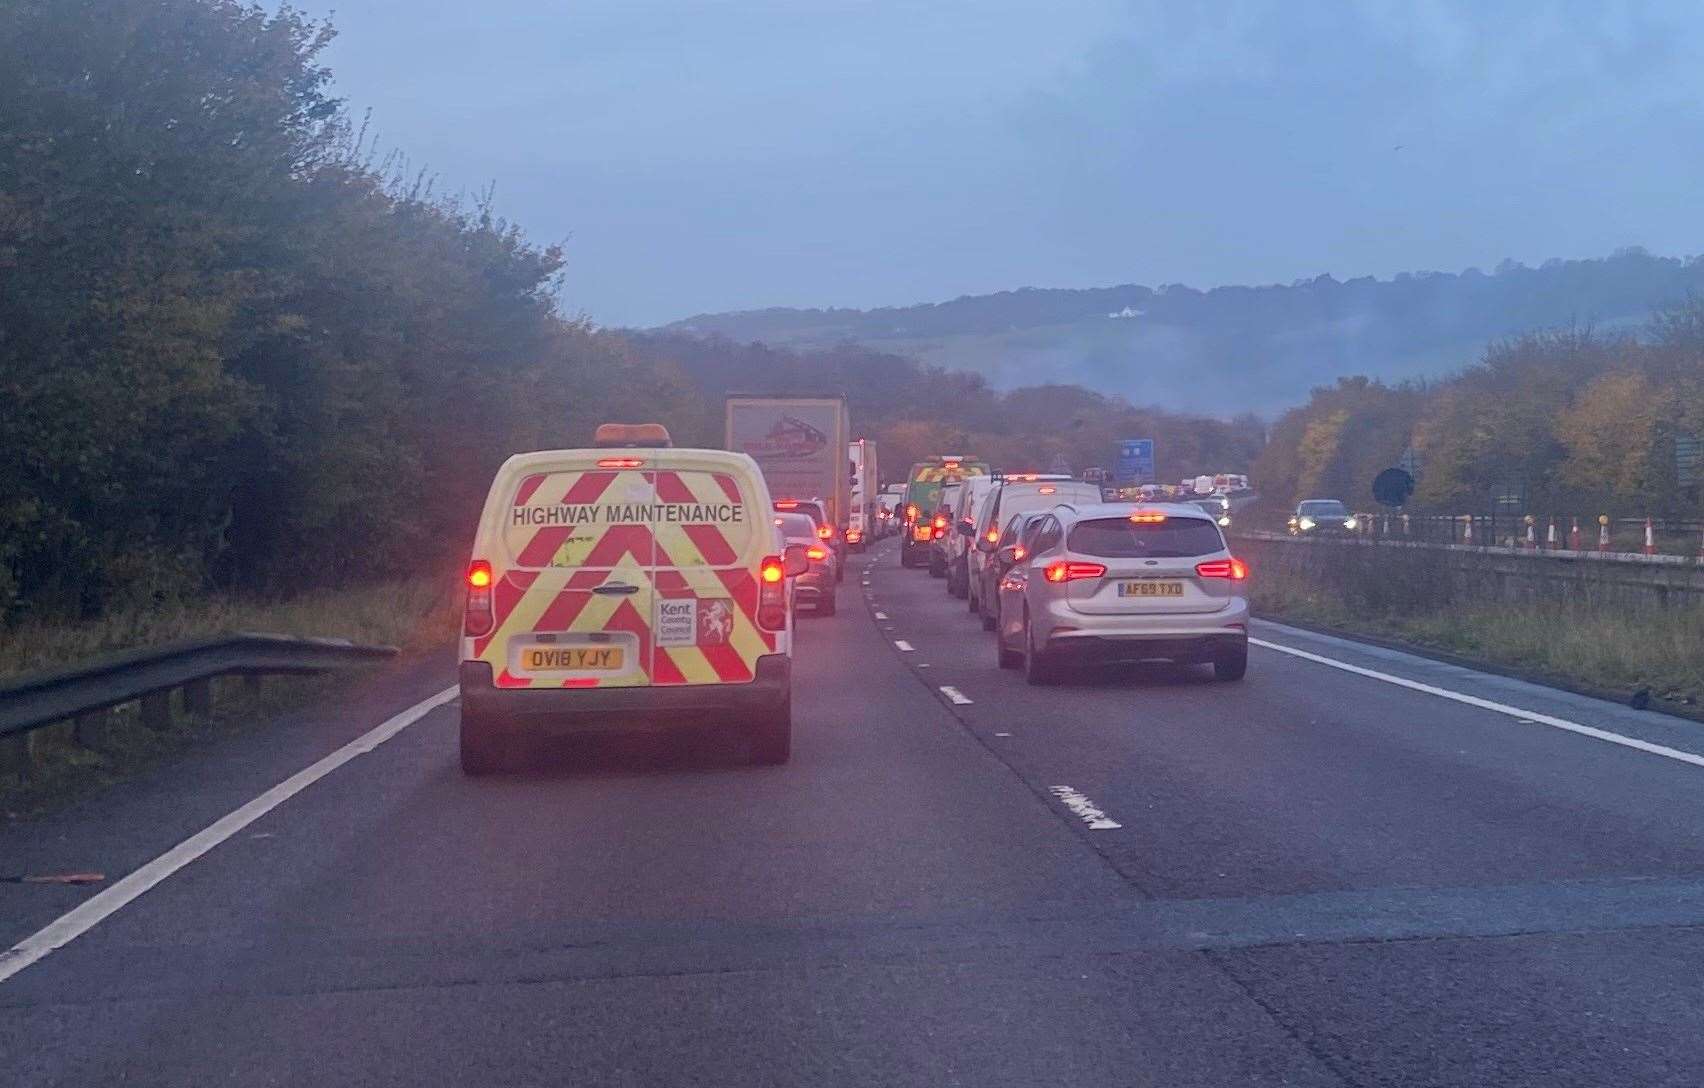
632 585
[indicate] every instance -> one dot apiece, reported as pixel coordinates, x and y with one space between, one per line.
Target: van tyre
1231 663
957 583
772 737
484 749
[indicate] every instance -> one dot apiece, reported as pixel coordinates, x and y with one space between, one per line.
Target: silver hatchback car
1113 582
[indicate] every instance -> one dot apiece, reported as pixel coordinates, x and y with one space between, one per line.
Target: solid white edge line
955 696
903 645
97 908
1532 716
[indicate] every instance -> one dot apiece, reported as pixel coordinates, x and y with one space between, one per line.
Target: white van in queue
628 585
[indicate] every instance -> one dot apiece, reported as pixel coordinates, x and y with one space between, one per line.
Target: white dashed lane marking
954 695
902 645
881 615
1084 809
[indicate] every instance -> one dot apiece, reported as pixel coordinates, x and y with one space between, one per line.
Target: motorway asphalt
1316 876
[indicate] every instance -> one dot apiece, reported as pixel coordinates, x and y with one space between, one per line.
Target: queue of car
1062 578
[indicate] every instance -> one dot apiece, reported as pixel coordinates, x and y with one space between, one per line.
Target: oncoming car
1322 516
629 585
1115 582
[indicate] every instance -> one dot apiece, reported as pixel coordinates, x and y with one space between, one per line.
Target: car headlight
1224 521
1350 523
1306 524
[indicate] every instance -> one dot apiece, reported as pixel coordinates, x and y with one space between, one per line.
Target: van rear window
1121 538
618 518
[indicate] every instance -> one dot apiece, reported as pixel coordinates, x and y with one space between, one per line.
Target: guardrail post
1467 529
1650 539
1574 536
157 710
198 698
1550 536
1603 532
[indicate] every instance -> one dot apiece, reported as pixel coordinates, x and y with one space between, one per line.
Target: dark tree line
237 351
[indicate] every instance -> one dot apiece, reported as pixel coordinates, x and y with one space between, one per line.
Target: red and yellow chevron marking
668 560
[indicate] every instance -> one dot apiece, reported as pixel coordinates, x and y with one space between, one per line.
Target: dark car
1317 516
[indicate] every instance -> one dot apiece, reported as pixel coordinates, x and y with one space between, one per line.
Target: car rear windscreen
1121 538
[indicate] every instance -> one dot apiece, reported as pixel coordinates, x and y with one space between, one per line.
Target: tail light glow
477 619
940 522
786 504
824 532
992 536
854 535
620 462
1047 490
910 512
1144 518
1063 571
816 553
1234 569
771 594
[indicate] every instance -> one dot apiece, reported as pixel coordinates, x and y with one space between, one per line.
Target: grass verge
413 614
1619 650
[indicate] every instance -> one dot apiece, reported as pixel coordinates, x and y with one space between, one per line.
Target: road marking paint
881 615
903 645
1084 809
954 695
922 664
1528 716
97 908
1002 734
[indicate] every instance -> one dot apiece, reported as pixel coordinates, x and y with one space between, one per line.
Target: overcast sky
702 155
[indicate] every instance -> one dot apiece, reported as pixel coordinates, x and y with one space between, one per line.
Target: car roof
1086 510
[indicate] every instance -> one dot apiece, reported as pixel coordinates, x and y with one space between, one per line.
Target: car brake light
476 615
910 513
1144 518
940 522
824 532
1018 552
771 595
993 536
854 535
620 462
1047 490
1234 569
816 553
1062 571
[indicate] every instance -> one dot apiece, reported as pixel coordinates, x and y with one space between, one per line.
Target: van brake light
1062 571
771 595
1234 569
620 462
476 615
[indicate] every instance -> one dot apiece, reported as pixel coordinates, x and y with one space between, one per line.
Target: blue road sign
1135 462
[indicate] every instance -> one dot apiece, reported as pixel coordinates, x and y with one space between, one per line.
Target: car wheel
484 749
826 605
1038 670
937 567
1008 659
772 737
970 600
1231 664
958 583
840 571
990 620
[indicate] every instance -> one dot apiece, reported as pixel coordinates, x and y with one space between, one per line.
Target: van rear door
574 600
712 530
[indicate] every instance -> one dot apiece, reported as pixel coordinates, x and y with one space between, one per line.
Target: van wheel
772 737
484 750
1231 664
